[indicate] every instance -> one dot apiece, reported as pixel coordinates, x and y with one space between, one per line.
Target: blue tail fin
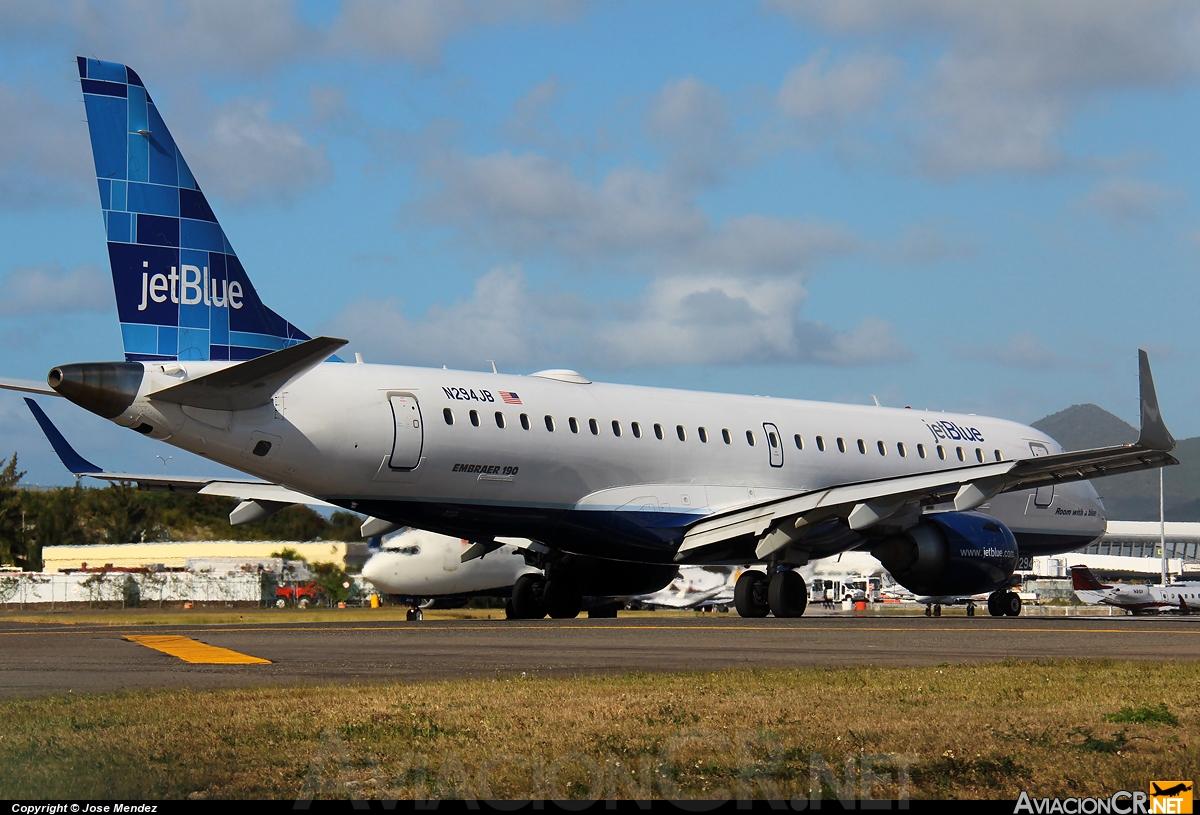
181 291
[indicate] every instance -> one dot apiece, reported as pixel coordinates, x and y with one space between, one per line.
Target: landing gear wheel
994 607
750 594
787 596
970 609
563 598
937 610
1011 603
928 610
604 612
510 613
527 597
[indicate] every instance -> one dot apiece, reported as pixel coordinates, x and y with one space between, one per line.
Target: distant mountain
1081 427
1131 497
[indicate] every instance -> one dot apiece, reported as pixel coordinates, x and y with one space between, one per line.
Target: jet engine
951 553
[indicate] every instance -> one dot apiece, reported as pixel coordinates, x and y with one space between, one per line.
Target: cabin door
410 436
774 444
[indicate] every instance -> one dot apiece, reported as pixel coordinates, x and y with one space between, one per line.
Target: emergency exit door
410 436
774 444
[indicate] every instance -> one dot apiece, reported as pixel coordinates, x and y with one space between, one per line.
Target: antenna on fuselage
493 362
875 399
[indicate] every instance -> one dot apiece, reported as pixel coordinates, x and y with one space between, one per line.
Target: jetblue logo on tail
190 288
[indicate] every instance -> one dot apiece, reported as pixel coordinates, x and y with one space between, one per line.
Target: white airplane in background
610 484
1133 597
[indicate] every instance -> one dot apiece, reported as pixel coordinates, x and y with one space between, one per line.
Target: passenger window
901 449
862 448
574 424
500 420
979 455
549 422
961 457
728 439
475 418
595 428
703 435
637 429
998 456
616 428
448 415
772 440
750 438
524 421
921 450
941 452
680 432
658 431
799 442
882 449
821 443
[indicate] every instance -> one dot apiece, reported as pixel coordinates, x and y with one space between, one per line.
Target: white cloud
243 155
528 204
705 320
416 30
1022 350
45 156
827 95
1012 76
691 119
52 289
1130 202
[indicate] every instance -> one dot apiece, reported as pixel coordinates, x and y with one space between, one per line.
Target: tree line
32 519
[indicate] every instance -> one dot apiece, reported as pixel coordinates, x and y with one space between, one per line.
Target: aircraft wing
778 522
266 494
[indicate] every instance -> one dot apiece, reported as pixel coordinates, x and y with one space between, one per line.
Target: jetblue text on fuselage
190 288
950 430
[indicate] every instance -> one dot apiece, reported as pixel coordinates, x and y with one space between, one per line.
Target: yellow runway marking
190 650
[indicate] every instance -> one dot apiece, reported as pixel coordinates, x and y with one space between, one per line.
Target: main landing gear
534 597
1004 604
933 609
783 594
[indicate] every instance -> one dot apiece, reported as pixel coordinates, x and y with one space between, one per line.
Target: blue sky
977 207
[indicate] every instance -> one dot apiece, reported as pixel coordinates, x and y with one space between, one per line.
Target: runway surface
42 659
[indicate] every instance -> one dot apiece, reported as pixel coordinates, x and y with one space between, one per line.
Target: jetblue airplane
609 483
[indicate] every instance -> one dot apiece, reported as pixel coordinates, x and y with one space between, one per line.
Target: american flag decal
510 398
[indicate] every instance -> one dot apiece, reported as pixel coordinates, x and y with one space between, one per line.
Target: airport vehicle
1179 598
628 482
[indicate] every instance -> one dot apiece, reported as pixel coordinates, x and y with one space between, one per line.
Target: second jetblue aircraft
612 484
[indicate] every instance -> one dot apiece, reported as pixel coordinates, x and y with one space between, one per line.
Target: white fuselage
1138 598
612 470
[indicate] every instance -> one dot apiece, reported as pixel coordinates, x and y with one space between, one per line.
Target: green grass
1145 714
977 731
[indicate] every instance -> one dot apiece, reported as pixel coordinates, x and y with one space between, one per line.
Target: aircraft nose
104 388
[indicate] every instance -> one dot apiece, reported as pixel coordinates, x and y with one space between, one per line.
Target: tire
970 611
749 594
562 598
928 610
787 596
527 597
605 612
937 611
509 612
994 607
1011 604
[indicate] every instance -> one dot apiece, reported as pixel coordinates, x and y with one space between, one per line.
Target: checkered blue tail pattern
182 293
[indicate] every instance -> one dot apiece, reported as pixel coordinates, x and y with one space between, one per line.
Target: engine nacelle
951 553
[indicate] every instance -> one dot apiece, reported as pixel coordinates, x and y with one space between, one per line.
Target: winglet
77 464
1155 435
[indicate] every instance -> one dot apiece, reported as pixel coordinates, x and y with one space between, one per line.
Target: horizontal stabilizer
27 386
75 463
252 383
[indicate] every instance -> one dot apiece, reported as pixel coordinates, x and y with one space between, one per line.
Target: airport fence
129 589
